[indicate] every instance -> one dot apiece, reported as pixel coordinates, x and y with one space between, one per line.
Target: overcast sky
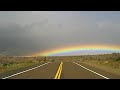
25 32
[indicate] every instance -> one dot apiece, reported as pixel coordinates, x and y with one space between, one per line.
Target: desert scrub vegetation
13 63
107 62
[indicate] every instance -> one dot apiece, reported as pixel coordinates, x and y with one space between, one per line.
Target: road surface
63 70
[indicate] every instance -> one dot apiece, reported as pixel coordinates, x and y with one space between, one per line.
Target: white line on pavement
25 71
91 71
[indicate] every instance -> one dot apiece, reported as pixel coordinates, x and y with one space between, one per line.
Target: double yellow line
58 74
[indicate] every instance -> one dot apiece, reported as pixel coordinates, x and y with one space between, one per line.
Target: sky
27 32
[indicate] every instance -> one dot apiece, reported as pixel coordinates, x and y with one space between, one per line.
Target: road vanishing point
62 70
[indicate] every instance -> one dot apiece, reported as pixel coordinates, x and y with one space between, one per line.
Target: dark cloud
42 31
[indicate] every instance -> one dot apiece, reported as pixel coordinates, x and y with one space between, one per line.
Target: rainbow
78 49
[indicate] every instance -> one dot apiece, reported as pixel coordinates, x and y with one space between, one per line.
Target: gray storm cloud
22 33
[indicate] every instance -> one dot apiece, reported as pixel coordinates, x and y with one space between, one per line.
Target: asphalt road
63 70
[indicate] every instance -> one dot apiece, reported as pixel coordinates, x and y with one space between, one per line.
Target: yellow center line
58 74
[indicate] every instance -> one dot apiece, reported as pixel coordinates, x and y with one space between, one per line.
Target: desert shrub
117 59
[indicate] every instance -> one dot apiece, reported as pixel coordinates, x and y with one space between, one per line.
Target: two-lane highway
63 70
44 72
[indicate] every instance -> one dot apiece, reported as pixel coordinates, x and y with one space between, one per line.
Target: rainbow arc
79 48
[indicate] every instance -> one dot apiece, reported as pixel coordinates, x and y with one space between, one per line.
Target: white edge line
25 71
91 71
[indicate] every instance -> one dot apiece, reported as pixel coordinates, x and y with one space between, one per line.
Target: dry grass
107 62
8 64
